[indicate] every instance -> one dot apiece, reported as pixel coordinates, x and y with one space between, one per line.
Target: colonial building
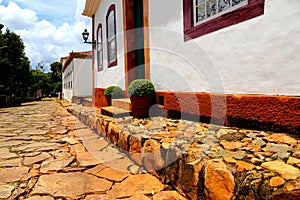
231 62
77 75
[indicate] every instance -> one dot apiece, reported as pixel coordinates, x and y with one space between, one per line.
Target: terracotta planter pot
141 106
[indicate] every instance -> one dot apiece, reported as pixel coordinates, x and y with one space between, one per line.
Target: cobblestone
46 153
256 164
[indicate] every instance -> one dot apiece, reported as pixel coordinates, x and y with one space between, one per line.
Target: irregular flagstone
16 162
34 132
281 138
152 155
285 170
55 165
219 182
122 164
95 145
97 197
136 185
41 157
38 146
11 143
95 170
5 154
87 134
105 157
42 122
292 161
70 140
60 154
276 181
4 134
31 154
39 138
38 197
232 145
293 185
113 174
112 149
6 131
274 148
291 190
61 132
139 197
239 155
242 165
70 184
8 175
77 148
24 138
5 191
168 195
86 159
229 160
96 157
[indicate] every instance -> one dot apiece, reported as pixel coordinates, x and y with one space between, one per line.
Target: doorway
136 40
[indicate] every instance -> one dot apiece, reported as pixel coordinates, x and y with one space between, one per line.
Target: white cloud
16 17
46 39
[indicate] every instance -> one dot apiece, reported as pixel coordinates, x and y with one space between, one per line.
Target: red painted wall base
262 112
274 113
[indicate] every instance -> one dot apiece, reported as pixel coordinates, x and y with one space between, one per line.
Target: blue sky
50 29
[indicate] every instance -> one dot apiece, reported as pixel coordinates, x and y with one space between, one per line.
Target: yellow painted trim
146 39
91 7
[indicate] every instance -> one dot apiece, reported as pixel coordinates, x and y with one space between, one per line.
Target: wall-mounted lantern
85 36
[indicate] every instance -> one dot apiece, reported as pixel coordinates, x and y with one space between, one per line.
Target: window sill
253 9
112 64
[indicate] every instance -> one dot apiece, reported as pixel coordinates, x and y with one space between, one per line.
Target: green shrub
114 91
141 88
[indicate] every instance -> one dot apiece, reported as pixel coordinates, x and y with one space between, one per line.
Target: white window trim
216 15
100 49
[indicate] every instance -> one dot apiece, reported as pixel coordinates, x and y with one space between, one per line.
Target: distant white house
235 61
77 75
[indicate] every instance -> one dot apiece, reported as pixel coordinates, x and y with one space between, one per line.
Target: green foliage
141 87
16 77
114 91
14 65
49 83
56 68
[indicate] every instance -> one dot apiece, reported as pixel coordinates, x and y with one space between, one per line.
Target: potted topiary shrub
141 92
114 92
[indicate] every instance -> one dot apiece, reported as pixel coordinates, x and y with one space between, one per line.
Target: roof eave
91 7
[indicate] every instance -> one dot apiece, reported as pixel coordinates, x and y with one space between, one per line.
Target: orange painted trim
93 61
125 42
129 41
146 38
262 112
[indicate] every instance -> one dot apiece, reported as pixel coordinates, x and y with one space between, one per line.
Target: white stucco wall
114 75
67 76
82 84
258 56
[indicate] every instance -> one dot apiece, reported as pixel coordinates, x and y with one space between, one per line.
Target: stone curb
206 161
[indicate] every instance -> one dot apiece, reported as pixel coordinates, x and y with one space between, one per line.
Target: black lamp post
85 36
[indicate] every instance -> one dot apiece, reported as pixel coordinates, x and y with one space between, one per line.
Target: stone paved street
46 153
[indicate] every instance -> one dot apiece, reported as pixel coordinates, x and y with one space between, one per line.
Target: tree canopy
15 66
16 75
